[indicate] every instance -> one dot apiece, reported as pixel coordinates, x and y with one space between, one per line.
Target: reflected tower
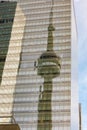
48 68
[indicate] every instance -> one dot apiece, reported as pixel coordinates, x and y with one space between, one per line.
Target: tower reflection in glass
48 67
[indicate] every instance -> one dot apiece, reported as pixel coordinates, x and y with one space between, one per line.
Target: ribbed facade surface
37 101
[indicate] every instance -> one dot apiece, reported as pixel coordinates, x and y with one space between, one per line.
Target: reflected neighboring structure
38 65
8 19
6 23
7 13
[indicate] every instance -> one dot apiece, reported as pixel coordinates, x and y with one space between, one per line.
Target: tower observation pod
49 65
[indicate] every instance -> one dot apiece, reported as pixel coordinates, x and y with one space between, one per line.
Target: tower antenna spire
50 29
52 4
51 13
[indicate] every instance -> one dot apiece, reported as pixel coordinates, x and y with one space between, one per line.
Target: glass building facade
37 79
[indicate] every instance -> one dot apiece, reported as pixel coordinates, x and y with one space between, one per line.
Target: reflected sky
81 16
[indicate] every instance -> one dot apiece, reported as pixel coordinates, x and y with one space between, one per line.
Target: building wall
28 41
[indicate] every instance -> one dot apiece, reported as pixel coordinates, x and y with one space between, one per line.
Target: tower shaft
45 107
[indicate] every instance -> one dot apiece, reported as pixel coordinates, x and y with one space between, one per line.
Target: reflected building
38 84
8 45
6 23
